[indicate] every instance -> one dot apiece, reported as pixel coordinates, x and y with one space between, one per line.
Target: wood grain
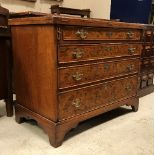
35 68
70 33
80 101
65 20
87 52
82 74
106 73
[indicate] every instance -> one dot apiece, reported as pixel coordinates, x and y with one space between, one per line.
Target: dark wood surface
146 91
63 10
146 85
3 69
5 61
60 86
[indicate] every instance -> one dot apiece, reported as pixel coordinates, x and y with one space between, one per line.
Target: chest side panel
35 68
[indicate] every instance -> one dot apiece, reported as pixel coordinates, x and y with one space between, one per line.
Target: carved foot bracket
55 131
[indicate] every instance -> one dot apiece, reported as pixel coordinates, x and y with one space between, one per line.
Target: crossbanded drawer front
72 76
77 33
77 53
79 101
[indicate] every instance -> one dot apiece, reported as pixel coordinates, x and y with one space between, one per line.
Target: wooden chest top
68 20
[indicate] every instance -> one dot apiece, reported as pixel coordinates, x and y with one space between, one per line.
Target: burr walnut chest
69 69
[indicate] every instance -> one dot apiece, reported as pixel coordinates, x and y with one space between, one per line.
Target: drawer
144 80
77 53
79 101
76 75
148 50
147 64
150 79
85 33
147 79
149 35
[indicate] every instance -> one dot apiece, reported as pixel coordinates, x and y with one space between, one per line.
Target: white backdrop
100 8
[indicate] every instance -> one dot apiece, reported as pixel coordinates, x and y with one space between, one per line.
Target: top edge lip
33 18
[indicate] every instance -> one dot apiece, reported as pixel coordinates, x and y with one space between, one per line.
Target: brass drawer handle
150 76
130 35
109 34
76 103
128 88
147 47
82 34
77 76
106 66
3 27
148 33
78 53
130 67
131 50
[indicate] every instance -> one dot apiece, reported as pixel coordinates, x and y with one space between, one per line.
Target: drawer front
73 76
79 101
148 50
150 79
147 64
77 53
149 35
144 80
76 33
147 79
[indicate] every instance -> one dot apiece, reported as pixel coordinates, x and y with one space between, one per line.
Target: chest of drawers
147 62
71 69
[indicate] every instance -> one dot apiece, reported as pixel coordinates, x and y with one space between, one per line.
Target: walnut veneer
71 69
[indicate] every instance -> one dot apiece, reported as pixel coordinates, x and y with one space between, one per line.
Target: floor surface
119 132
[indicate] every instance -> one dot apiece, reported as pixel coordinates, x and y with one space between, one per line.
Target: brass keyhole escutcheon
106 66
130 35
128 88
130 68
77 53
131 50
